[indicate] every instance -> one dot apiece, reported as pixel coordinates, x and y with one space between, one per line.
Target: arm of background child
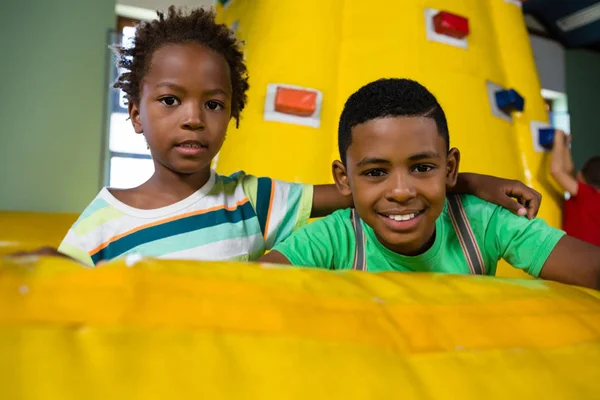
501 192
561 164
574 262
327 198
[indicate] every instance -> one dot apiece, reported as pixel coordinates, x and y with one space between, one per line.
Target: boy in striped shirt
185 79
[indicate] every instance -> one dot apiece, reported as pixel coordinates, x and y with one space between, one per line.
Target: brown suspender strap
465 235
360 262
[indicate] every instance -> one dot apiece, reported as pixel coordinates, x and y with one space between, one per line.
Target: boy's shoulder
335 228
99 209
336 224
475 209
251 182
341 217
474 203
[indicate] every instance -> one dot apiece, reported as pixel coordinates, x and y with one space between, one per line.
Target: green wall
583 93
54 57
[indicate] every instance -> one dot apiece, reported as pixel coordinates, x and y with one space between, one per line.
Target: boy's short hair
198 26
591 171
389 98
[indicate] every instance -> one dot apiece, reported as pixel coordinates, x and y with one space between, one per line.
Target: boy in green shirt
396 165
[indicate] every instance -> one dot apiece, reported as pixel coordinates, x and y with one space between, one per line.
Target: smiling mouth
403 217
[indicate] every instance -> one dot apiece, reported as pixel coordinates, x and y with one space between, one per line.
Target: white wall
550 62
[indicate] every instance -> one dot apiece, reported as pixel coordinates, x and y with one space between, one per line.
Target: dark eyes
214 105
375 173
423 168
378 172
171 101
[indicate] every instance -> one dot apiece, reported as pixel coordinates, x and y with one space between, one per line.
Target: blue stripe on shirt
263 201
171 228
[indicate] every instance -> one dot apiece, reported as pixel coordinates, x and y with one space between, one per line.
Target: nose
401 188
193 118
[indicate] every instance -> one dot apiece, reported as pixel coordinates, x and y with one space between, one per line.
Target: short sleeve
85 235
281 207
525 244
73 247
319 244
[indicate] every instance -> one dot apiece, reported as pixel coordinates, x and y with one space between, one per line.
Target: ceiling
544 17
573 23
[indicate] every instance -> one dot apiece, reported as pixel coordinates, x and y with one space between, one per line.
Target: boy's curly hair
198 26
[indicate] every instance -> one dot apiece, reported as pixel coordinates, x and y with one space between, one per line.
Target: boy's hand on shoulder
513 195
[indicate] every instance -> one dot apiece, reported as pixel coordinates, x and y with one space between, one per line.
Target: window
128 159
557 109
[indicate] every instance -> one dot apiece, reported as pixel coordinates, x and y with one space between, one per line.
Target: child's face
184 107
397 170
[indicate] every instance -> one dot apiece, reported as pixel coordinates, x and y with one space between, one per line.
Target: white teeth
405 217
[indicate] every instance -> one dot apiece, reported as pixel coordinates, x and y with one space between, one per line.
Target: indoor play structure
306 57
159 329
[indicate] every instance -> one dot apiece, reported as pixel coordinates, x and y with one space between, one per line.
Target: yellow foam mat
21 231
178 330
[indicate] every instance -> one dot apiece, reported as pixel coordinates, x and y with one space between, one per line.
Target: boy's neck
163 189
173 185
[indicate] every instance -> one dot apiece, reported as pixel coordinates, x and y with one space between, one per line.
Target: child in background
396 165
185 78
581 212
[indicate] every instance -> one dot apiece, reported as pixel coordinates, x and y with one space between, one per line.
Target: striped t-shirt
234 217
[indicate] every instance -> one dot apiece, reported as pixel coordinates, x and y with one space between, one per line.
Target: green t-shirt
525 244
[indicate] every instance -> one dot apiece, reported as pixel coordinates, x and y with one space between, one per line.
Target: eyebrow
180 88
424 155
169 85
372 160
415 157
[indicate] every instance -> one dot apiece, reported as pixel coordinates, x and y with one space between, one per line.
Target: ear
452 163
340 176
134 115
